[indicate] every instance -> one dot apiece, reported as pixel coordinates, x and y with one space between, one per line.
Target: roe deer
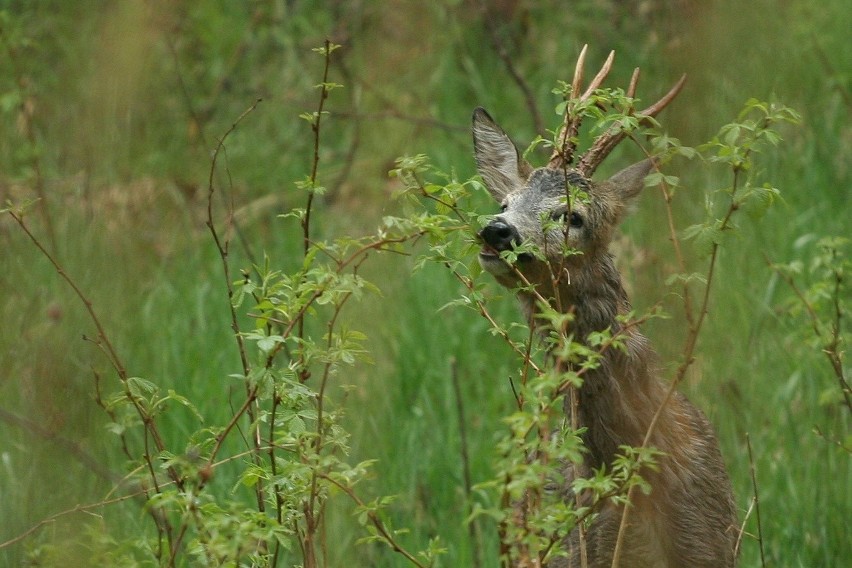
688 520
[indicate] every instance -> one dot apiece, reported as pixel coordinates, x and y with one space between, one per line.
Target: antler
566 141
604 144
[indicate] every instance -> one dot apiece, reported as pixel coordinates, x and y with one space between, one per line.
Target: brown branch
483 311
315 127
106 345
222 247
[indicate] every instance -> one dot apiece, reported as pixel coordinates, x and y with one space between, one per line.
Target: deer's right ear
497 159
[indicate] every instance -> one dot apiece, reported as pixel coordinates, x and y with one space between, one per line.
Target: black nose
499 235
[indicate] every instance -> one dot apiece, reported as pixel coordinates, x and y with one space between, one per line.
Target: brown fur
689 518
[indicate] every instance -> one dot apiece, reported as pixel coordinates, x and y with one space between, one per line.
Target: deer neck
592 292
619 398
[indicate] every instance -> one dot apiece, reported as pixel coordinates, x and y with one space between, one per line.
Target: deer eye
574 219
503 207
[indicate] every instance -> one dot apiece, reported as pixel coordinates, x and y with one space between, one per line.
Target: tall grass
122 152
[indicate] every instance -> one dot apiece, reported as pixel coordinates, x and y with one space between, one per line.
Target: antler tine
577 83
564 151
600 77
634 82
655 108
609 140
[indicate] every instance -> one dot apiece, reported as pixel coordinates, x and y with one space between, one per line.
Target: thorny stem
220 438
681 263
223 247
574 400
528 362
103 339
315 127
306 217
104 343
832 350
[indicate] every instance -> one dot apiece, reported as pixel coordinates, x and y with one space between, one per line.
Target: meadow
112 113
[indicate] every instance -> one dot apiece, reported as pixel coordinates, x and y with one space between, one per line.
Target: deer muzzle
496 237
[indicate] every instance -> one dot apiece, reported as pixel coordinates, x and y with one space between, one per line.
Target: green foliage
110 113
820 298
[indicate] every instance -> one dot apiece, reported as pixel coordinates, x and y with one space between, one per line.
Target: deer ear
497 158
628 183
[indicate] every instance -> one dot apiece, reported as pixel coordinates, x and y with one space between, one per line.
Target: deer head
557 209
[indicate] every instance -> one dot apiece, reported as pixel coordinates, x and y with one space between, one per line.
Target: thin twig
75 509
742 531
105 344
377 522
222 247
831 347
315 127
751 468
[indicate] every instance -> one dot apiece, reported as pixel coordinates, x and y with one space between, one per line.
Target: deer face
536 208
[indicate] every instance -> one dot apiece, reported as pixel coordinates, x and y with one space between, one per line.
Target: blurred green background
109 113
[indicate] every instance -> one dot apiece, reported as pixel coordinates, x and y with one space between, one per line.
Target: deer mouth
489 254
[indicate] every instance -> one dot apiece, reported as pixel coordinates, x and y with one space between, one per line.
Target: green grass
124 166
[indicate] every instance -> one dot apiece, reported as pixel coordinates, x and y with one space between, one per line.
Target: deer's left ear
628 183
